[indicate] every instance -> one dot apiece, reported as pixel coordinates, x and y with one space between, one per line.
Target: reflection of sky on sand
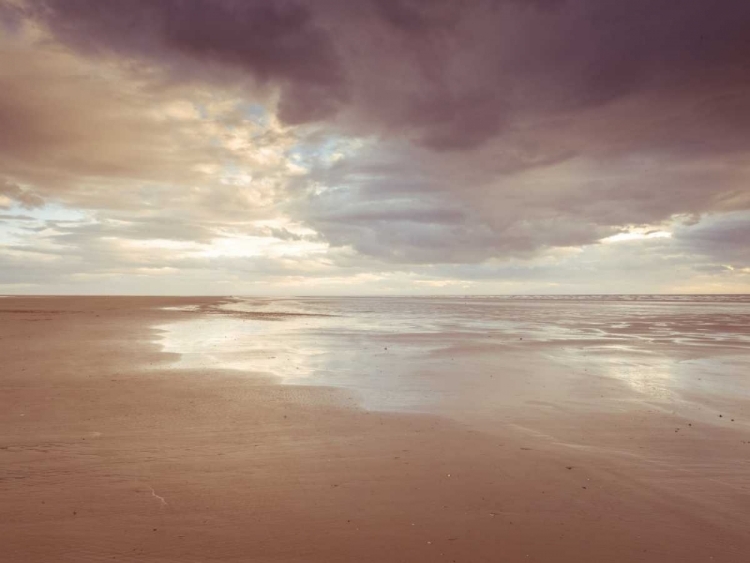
413 352
654 380
333 351
216 341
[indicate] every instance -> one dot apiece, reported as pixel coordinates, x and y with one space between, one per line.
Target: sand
110 452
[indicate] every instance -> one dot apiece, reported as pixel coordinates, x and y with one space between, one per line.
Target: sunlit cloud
637 234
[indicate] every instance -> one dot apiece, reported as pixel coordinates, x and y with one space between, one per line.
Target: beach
168 429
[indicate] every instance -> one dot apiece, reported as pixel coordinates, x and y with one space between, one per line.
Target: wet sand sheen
113 450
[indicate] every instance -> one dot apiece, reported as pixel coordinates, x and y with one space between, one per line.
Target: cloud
64 122
724 238
409 204
102 136
426 138
448 75
12 193
266 42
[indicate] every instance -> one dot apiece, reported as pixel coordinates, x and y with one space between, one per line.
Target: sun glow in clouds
637 234
251 246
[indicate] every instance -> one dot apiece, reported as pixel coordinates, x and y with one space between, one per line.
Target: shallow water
428 353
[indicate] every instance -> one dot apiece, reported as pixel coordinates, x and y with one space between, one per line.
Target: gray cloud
277 42
23 197
450 75
724 238
411 205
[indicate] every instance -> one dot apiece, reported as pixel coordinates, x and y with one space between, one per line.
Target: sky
331 147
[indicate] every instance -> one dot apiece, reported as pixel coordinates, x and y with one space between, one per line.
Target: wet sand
111 450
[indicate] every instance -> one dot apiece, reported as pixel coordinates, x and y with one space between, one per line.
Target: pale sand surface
115 447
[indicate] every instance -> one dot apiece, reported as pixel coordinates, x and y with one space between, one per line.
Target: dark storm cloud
269 41
450 74
10 18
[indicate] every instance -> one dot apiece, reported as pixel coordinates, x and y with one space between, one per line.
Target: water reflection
217 341
416 352
655 379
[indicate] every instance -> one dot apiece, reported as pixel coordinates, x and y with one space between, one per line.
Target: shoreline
105 457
